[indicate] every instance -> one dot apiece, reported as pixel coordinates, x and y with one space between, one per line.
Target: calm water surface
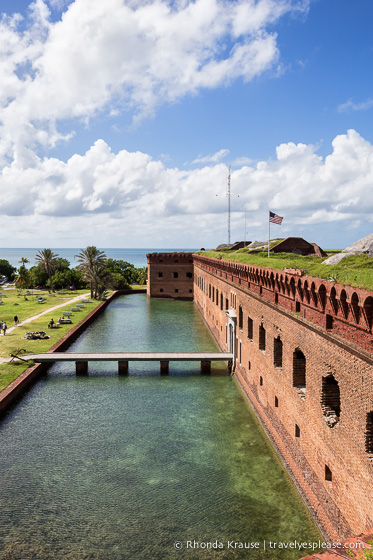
109 468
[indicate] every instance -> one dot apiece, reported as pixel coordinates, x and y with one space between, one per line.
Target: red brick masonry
359 547
342 310
304 361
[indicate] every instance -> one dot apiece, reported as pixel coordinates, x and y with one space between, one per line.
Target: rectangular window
262 338
249 328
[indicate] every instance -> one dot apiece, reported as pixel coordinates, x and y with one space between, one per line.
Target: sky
119 121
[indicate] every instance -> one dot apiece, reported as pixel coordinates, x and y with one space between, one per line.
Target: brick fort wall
303 358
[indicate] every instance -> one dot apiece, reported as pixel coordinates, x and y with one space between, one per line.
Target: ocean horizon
137 257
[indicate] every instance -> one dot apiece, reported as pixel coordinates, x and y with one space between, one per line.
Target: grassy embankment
356 271
14 304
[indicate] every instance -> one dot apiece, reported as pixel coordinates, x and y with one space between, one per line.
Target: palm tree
48 261
143 275
92 263
22 277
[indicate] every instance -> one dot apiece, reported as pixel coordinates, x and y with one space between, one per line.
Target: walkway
81 359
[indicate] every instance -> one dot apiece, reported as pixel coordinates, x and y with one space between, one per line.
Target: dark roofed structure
299 246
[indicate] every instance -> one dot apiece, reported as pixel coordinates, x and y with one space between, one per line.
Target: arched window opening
299 372
333 300
306 292
344 304
313 294
277 352
217 296
368 311
292 288
300 289
221 301
297 430
331 400
369 435
287 287
262 338
322 295
355 307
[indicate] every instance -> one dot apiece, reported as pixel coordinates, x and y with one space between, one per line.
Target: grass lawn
18 305
356 271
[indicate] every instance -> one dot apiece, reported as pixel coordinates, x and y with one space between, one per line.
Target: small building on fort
170 275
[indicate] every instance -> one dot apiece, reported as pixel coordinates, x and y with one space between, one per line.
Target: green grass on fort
14 304
356 271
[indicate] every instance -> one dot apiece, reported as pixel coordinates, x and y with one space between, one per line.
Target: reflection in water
109 468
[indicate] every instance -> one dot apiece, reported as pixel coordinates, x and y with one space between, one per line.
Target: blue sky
119 121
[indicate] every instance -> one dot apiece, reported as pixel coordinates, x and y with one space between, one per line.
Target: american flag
275 218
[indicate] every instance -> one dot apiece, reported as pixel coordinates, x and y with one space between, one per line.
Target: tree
22 277
92 264
142 275
6 269
47 260
127 270
66 278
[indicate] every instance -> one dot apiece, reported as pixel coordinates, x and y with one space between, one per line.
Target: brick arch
292 288
368 311
314 294
355 307
333 300
322 295
343 303
306 290
300 289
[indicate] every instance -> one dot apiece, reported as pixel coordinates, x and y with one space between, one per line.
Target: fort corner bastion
303 355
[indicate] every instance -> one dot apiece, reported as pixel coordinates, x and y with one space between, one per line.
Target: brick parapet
343 311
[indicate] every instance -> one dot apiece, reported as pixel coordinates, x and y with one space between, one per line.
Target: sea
137 257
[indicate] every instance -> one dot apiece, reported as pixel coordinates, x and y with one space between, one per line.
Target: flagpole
269 232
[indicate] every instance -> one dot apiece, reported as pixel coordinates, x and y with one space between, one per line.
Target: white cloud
106 56
212 158
352 106
129 195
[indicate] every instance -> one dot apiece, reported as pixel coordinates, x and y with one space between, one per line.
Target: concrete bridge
81 359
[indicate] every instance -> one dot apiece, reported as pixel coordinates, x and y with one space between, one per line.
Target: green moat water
110 468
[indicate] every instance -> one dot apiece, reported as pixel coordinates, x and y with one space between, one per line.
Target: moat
109 468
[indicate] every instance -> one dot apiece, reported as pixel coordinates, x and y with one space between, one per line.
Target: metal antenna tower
229 205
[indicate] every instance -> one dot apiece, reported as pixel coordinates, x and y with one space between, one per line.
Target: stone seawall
311 389
20 385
